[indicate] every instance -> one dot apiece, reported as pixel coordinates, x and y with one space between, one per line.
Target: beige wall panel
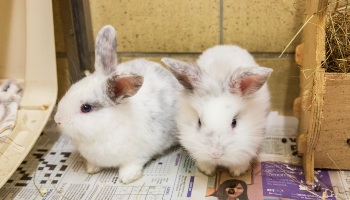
158 25
262 26
283 83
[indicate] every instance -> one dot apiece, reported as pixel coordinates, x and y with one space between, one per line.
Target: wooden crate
324 102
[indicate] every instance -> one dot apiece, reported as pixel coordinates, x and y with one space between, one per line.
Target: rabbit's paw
91 168
130 173
238 170
206 168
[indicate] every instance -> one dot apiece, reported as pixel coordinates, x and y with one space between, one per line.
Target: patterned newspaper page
54 170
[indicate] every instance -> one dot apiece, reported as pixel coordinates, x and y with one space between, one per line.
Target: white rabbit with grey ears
224 108
120 115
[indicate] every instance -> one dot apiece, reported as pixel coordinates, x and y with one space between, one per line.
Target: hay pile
338 40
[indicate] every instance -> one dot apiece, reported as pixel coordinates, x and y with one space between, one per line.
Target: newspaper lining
54 170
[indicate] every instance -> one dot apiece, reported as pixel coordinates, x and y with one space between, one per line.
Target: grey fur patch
187 73
183 79
105 50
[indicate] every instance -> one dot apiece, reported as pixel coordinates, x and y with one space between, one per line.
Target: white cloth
10 96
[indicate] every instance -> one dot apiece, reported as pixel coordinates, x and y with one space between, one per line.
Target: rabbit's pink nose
215 154
57 119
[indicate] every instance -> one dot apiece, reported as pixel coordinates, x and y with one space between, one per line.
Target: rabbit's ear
119 87
248 80
188 74
105 50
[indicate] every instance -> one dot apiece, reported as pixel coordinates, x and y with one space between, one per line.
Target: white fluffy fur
215 142
126 134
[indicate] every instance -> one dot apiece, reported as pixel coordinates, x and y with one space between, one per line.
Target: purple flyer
288 181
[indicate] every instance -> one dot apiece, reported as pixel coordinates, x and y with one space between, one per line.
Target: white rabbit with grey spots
121 115
223 109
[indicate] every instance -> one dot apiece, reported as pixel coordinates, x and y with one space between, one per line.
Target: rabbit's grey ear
188 74
120 87
248 80
105 50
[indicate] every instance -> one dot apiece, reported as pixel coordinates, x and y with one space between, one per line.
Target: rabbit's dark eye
234 123
199 123
85 108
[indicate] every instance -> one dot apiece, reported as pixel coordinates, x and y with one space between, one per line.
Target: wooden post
311 76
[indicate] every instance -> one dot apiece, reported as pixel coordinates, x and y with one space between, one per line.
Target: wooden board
332 149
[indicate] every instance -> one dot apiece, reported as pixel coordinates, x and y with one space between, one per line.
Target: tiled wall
194 25
184 28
